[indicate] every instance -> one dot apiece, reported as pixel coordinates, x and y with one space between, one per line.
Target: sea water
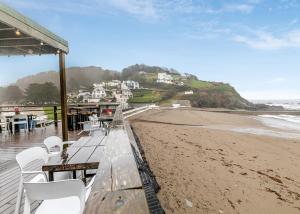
286 104
282 121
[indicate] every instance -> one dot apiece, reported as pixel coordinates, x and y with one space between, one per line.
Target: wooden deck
9 171
118 187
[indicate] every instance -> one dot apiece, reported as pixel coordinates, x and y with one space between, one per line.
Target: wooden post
63 95
55 115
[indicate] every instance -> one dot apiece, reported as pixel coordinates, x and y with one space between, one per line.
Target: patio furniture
54 145
25 159
82 155
21 120
4 126
91 125
39 121
66 197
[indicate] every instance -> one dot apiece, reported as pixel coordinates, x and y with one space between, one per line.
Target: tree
46 93
11 94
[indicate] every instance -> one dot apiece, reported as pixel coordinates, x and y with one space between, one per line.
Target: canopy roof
20 35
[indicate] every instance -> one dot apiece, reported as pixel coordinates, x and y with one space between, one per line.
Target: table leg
51 176
74 174
84 177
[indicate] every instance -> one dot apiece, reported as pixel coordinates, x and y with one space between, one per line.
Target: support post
55 115
63 96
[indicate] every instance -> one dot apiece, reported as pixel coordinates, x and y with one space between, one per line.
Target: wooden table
84 154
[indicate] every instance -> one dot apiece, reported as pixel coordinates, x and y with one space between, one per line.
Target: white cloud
293 22
144 8
267 41
243 8
277 80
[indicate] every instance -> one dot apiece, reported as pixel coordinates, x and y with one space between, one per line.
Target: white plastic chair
65 197
22 120
24 158
4 125
55 142
91 125
41 121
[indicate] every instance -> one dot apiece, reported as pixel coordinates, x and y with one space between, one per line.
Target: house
97 94
113 83
122 96
125 90
164 78
189 92
132 84
84 96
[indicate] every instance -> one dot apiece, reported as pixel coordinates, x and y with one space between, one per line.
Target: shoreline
205 170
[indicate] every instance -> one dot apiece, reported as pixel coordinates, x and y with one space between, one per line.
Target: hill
77 77
205 94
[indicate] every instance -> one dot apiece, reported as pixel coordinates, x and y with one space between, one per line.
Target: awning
20 35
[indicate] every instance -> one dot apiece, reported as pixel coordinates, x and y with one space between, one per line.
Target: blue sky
252 44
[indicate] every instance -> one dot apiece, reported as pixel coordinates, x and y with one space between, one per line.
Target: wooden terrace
121 185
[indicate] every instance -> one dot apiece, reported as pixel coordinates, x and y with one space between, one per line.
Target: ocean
283 121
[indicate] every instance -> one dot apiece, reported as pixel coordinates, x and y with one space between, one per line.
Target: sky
253 44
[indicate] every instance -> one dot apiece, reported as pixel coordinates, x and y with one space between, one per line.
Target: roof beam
16 38
26 26
6 29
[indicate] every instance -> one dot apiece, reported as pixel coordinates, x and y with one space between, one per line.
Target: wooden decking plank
95 140
83 155
124 201
98 154
81 141
125 174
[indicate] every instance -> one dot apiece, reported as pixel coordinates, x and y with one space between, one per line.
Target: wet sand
204 167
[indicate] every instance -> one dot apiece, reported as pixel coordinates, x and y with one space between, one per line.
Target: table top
81 155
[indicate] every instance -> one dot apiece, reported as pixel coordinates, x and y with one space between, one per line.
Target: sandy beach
205 165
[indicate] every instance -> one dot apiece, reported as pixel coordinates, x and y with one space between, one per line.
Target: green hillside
205 94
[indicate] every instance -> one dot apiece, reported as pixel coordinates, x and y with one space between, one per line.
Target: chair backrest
56 190
53 141
31 154
95 117
20 118
91 118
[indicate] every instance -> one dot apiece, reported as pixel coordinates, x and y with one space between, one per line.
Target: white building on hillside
125 90
132 84
97 94
84 96
189 92
164 78
113 83
122 96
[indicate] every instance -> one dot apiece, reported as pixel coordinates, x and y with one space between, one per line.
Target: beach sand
204 167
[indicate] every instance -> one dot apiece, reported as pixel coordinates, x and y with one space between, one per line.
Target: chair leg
19 196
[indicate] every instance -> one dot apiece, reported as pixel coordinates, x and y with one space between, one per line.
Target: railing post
55 116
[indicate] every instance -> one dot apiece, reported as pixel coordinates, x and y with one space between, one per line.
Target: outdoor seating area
15 123
41 170
59 165
87 175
